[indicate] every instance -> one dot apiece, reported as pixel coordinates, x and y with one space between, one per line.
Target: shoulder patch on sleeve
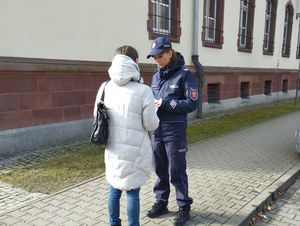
193 94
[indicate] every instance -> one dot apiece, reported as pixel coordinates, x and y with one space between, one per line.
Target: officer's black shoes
159 208
182 216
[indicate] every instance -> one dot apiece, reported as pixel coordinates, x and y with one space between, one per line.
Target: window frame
215 93
298 44
157 26
287 30
156 19
217 40
245 90
268 43
268 87
285 86
208 19
249 9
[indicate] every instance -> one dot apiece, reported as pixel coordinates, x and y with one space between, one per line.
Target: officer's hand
157 103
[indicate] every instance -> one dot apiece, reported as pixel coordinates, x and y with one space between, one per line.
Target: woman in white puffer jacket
128 153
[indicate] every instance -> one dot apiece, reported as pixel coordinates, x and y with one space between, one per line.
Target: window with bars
287 29
298 44
164 19
245 90
270 23
213 93
268 87
285 86
245 36
212 34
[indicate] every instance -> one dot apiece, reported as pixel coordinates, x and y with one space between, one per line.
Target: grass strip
235 120
69 168
54 174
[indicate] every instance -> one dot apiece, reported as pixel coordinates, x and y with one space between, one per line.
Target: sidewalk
285 211
230 178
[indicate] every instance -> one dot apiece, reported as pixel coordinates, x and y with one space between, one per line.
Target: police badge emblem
193 94
173 104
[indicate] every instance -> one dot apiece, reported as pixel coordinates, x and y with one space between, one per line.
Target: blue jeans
133 206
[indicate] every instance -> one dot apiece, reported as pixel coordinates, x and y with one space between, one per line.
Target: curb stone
269 195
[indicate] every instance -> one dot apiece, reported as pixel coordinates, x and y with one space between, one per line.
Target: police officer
176 93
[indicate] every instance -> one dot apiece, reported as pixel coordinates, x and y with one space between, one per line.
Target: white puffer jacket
128 154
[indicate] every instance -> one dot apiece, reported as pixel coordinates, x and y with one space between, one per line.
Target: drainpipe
195 57
298 76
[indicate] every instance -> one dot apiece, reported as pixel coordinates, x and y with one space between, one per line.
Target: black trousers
170 166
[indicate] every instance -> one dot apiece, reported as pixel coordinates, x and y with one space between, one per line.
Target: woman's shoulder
141 86
142 90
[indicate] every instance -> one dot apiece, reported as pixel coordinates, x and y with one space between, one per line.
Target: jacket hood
123 69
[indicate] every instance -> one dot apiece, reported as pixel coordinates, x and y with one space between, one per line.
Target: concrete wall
15 141
72 29
92 30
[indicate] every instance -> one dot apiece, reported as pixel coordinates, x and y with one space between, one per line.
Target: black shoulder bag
100 126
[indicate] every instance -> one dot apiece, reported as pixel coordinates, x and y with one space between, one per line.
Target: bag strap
103 92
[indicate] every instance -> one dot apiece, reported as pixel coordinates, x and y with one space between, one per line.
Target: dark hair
174 55
128 51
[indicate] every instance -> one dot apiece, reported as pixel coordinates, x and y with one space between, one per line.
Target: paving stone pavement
285 211
229 177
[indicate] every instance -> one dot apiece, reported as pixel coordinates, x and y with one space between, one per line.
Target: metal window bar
244 25
165 32
160 22
285 30
288 20
247 39
210 20
248 3
270 43
210 28
217 33
286 48
213 93
162 16
244 90
298 43
285 86
246 7
268 19
267 88
266 41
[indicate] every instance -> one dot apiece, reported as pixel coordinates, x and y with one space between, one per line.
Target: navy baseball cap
159 45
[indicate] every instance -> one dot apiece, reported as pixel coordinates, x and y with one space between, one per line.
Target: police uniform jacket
128 153
177 88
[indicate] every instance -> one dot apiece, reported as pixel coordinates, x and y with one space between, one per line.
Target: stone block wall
42 91
35 92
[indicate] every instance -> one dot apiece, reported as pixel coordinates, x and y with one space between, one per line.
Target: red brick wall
230 79
34 92
41 91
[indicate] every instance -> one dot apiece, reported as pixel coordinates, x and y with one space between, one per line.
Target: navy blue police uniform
177 88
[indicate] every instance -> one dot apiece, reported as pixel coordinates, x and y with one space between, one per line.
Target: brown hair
128 51
174 55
